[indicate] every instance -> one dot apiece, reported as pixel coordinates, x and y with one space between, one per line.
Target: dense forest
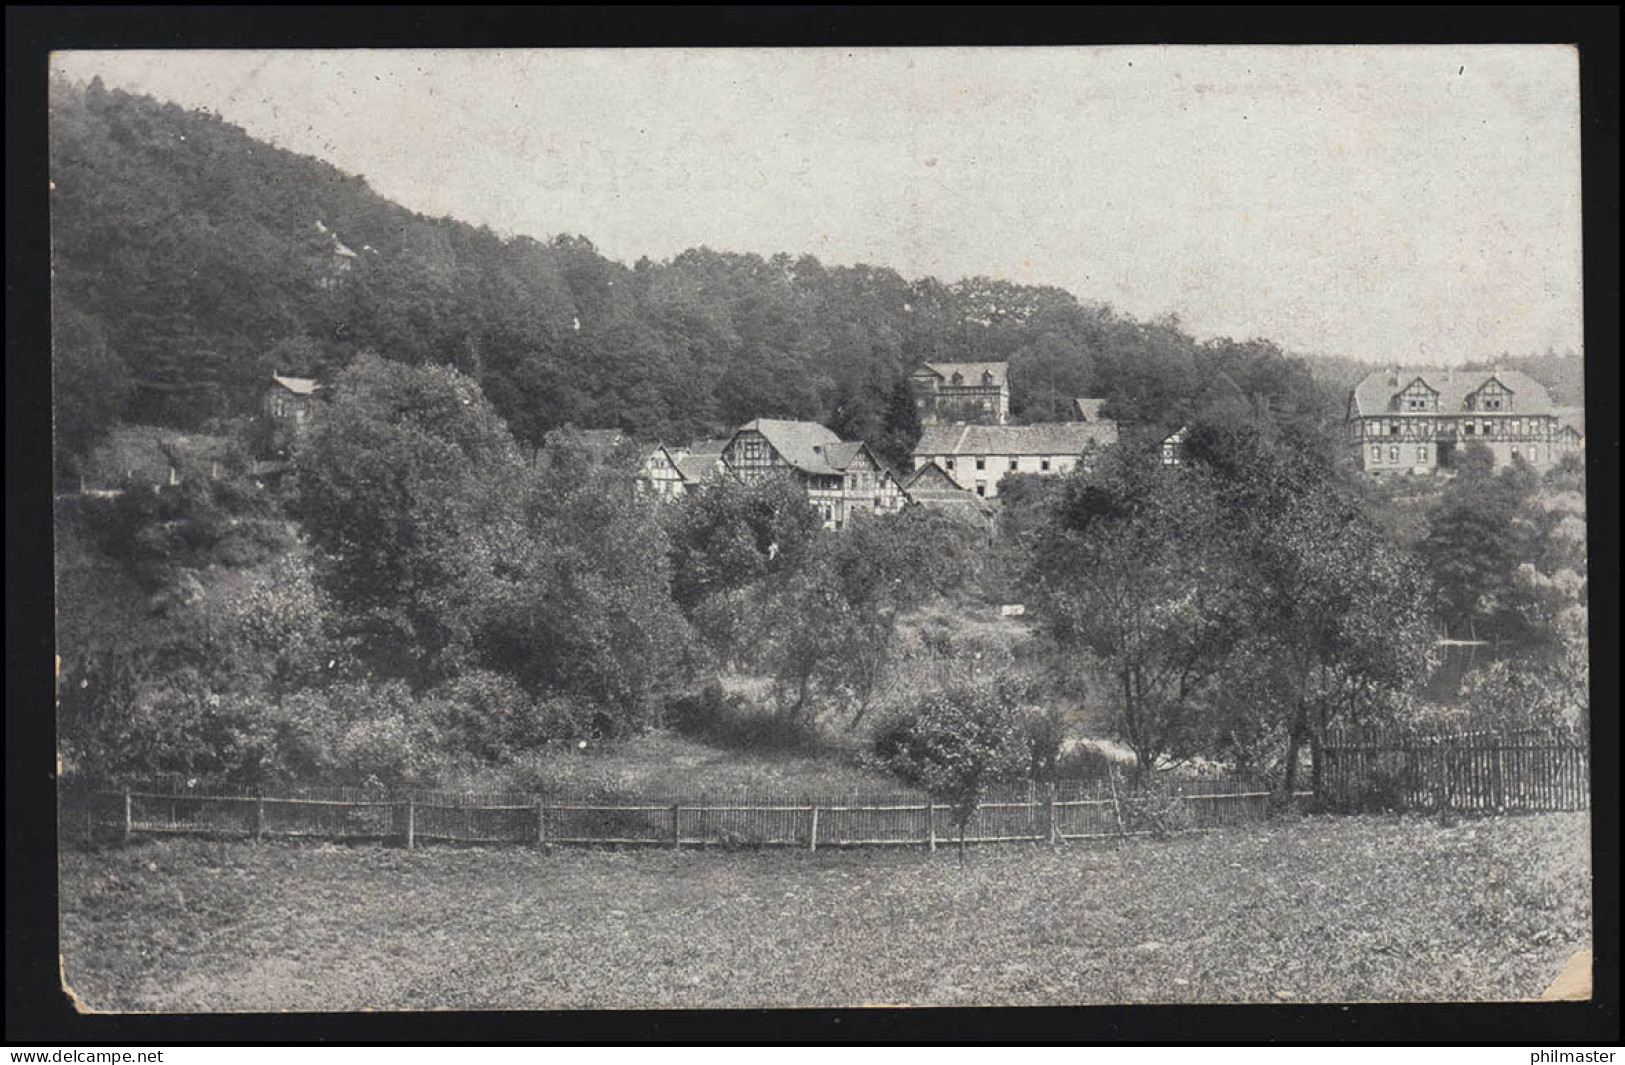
428 589
191 260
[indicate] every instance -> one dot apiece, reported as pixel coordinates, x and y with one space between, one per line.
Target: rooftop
1377 394
1048 438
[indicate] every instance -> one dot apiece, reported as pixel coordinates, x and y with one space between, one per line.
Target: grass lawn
1302 909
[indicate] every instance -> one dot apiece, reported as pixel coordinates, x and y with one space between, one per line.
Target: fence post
541 824
1117 807
259 818
1049 814
676 833
812 830
129 821
931 824
411 822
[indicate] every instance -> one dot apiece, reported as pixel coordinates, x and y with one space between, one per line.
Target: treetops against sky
1414 204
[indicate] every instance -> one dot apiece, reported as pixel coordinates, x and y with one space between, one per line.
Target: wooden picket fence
1484 771
1070 810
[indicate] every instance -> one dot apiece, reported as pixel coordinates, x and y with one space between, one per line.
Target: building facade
840 477
975 457
287 408
950 392
1418 421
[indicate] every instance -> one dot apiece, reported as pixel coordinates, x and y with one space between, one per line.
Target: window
981 488
1517 426
1467 428
950 464
1393 454
1043 464
1012 465
1421 455
1514 454
981 464
959 378
987 377
1376 453
1534 454
1393 428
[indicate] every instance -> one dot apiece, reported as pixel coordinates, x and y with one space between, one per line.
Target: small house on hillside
659 473
287 407
1173 447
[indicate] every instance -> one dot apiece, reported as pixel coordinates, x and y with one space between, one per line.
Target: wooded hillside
191 260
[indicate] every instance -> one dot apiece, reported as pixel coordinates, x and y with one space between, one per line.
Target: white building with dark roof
1417 421
977 456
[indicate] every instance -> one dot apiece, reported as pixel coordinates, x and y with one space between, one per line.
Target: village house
1173 447
947 392
930 488
1416 421
977 456
701 464
287 409
658 473
840 477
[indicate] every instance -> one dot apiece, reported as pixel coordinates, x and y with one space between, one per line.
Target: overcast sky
1419 204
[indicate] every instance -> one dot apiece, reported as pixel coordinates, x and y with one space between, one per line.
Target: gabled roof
931 478
299 386
701 461
1088 409
801 444
846 454
931 487
1375 395
971 371
1049 438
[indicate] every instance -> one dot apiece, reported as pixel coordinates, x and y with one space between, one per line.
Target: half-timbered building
840 477
1417 421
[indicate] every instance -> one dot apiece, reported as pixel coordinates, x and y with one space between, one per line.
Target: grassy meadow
1344 909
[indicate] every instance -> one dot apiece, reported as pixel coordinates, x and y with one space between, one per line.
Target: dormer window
987 377
958 378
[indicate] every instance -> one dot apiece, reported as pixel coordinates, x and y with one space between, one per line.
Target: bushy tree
957 742
1133 570
402 477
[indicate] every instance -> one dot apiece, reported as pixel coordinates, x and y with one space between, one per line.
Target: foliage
399 480
956 742
196 251
1133 570
835 620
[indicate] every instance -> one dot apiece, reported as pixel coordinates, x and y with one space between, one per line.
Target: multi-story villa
946 392
1417 421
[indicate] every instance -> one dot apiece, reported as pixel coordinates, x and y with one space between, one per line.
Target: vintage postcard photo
819 527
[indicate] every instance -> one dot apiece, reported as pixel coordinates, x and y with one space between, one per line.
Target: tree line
189 264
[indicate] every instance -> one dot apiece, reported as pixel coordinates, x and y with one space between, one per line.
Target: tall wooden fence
1026 812
1469 771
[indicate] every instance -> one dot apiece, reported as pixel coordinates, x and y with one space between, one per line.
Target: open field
1299 909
